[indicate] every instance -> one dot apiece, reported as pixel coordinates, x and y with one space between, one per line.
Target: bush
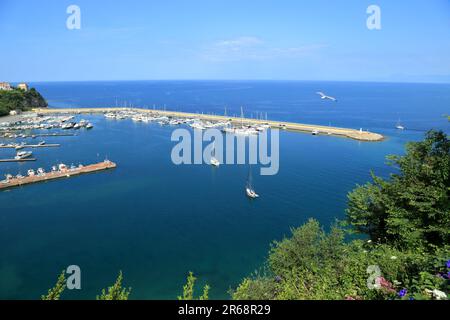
407 220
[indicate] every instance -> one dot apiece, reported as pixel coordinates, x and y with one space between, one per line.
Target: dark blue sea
156 221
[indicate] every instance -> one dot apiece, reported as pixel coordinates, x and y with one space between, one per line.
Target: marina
60 171
16 146
156 215
175 117
10 135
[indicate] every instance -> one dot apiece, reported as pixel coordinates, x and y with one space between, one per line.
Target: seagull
324 96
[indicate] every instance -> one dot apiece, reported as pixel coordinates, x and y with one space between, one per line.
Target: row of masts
253 115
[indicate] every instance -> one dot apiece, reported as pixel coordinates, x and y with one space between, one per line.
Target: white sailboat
399 126
249 187
214 162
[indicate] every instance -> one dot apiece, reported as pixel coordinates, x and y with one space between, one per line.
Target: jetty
5 133
63 172
50 145
360 135
18 160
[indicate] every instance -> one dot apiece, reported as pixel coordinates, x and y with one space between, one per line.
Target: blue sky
225 39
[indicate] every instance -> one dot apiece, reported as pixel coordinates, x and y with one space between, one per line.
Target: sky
225 39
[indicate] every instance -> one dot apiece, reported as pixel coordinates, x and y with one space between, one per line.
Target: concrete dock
291 126
50 145
18 160
16 182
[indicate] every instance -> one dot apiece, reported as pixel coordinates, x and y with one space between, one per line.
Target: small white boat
67 126
89 126
399 126
19 146
197 126
228 130
8 177
315 132
23 155
251 193
249 188
245 131
215 162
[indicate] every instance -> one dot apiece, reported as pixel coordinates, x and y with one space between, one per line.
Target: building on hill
22 86
5 86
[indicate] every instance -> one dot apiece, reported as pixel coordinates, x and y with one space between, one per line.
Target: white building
22 86
5 86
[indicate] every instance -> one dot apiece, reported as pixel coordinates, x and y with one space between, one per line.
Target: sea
156 221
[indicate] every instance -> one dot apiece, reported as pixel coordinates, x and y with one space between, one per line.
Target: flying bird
324 96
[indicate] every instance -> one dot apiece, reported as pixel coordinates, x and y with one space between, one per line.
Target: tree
18 99
115 292
55 292
407 221
188 289
412 208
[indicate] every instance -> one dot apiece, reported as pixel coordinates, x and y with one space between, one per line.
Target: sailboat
399 126
249 187
214 162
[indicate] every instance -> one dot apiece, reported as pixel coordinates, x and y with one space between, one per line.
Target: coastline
365 136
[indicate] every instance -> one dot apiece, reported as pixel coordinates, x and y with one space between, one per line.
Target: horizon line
232 80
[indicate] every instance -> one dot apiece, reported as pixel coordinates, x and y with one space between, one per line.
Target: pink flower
385 285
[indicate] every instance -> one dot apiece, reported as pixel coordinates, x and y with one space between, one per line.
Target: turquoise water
156 221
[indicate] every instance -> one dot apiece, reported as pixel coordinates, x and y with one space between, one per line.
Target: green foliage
55 292
115 292
188 289
407 221
259 288
312 264
309 265
411 210
18 99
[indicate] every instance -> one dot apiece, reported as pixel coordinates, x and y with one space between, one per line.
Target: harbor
134 210
356 134
60 171
20 146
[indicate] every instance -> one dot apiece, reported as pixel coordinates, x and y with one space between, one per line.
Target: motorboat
23 155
